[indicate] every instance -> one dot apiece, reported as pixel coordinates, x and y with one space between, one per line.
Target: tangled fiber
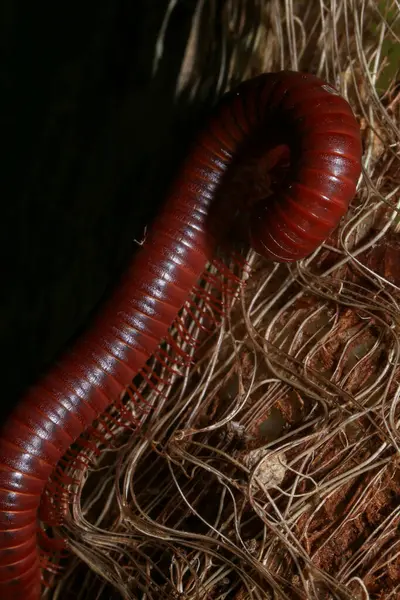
268 468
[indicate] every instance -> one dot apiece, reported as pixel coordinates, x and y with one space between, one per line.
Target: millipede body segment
320 139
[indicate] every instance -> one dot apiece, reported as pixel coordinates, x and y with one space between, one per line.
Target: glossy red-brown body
325 162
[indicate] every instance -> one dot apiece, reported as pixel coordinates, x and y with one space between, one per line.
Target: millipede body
319 153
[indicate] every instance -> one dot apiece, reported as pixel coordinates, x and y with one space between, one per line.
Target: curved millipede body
321 138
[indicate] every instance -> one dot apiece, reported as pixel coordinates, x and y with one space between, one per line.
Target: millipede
307 140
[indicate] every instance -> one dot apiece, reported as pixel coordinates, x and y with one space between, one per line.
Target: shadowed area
92 142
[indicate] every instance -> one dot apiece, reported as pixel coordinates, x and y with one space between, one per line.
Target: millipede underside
191 333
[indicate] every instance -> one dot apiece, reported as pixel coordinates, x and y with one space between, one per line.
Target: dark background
91 143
